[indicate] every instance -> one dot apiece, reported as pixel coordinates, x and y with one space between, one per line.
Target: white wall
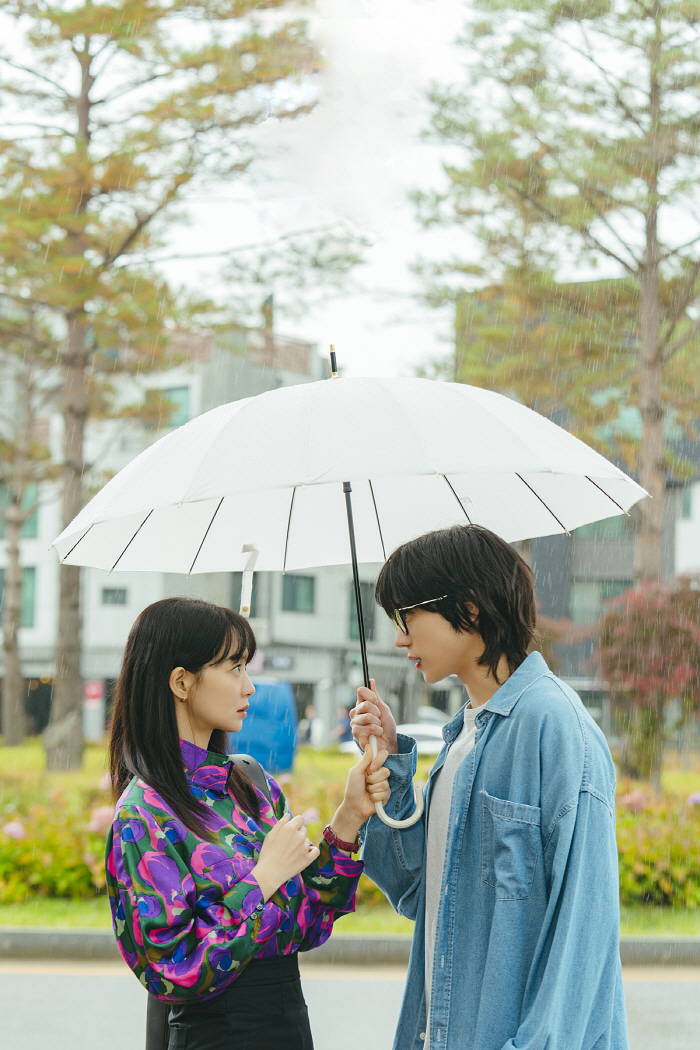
688 533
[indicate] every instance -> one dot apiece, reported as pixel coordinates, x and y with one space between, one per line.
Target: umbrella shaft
347 489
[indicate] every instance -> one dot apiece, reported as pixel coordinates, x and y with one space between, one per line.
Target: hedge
56 848
659 851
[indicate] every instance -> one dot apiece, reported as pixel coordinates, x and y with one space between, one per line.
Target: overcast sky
355 157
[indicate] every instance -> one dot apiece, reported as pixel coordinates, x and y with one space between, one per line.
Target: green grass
681 775
674 922
25 766
379 922
47 911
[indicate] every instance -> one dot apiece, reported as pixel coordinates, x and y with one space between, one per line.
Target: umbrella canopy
267 471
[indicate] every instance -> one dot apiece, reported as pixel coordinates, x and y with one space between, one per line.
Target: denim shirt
527 944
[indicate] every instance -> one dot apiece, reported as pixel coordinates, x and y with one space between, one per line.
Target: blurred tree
575 143
110 110
649 652
27 359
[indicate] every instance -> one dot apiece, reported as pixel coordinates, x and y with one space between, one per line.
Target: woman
213 889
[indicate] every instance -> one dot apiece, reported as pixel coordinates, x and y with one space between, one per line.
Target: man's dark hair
468 564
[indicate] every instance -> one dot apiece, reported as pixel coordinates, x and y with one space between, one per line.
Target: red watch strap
333 840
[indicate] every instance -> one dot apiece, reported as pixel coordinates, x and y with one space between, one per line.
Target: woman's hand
367 784
372 717
285 852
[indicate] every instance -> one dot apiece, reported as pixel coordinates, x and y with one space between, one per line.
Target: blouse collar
206 769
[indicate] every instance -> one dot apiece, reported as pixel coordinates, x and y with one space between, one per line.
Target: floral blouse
187 913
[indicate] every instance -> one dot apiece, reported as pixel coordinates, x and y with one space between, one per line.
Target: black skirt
264 1009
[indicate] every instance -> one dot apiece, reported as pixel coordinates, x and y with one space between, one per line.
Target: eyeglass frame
399 619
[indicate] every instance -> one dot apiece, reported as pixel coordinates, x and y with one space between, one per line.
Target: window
236 585
368 608
686 502
616 528
613 588
584 601
30 529
26 616
586 597
298 593
114 595
179 398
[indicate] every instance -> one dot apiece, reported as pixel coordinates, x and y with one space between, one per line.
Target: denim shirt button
422 1035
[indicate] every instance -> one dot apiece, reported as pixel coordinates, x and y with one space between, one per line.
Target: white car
428 738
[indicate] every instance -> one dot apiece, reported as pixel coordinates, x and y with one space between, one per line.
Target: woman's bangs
239 639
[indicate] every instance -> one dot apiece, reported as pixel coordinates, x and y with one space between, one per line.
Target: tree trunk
63 737
652 465
644 744
13 720
652 472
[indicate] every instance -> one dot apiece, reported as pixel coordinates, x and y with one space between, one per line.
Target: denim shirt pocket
511 845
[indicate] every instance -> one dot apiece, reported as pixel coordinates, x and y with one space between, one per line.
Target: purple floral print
187 913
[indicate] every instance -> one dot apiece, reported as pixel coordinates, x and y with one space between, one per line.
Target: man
511 874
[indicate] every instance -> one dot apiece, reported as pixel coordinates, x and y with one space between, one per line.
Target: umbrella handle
389 821
418 812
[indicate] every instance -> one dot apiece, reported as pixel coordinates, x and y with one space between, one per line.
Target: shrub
55 856
55 848
659 852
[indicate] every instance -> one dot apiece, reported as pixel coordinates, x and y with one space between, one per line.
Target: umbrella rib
561 523
607 494
75 544
445 478
131 541
289 525
376 514
205 535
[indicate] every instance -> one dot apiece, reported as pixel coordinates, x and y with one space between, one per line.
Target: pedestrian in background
342 731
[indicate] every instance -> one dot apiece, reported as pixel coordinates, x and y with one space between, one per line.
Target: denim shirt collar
206 769
506 697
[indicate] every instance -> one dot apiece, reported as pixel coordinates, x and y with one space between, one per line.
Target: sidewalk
86 945
101 1004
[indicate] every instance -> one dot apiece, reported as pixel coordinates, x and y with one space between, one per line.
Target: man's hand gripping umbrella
371 720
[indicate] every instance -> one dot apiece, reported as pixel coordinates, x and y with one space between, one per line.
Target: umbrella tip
334 364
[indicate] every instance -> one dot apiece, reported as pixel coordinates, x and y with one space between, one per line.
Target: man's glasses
398 614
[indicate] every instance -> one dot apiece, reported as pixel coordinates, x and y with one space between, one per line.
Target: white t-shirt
438 826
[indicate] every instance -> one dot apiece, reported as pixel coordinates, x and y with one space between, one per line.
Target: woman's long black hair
144 741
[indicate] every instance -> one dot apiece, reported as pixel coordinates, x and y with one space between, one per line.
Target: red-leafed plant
649 653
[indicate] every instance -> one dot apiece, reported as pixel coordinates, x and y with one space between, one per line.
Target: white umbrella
273 474
268 471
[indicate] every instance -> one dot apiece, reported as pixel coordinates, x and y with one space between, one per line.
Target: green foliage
649 654
659 851
60 858
109 114
573 136
57 857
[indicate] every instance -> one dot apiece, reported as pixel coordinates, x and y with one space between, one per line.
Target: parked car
270 727
428 737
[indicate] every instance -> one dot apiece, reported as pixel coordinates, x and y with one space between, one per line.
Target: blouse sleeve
185 926
330 881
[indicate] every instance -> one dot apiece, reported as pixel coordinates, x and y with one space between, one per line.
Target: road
91 1006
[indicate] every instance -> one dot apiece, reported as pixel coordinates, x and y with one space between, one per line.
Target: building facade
305 623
